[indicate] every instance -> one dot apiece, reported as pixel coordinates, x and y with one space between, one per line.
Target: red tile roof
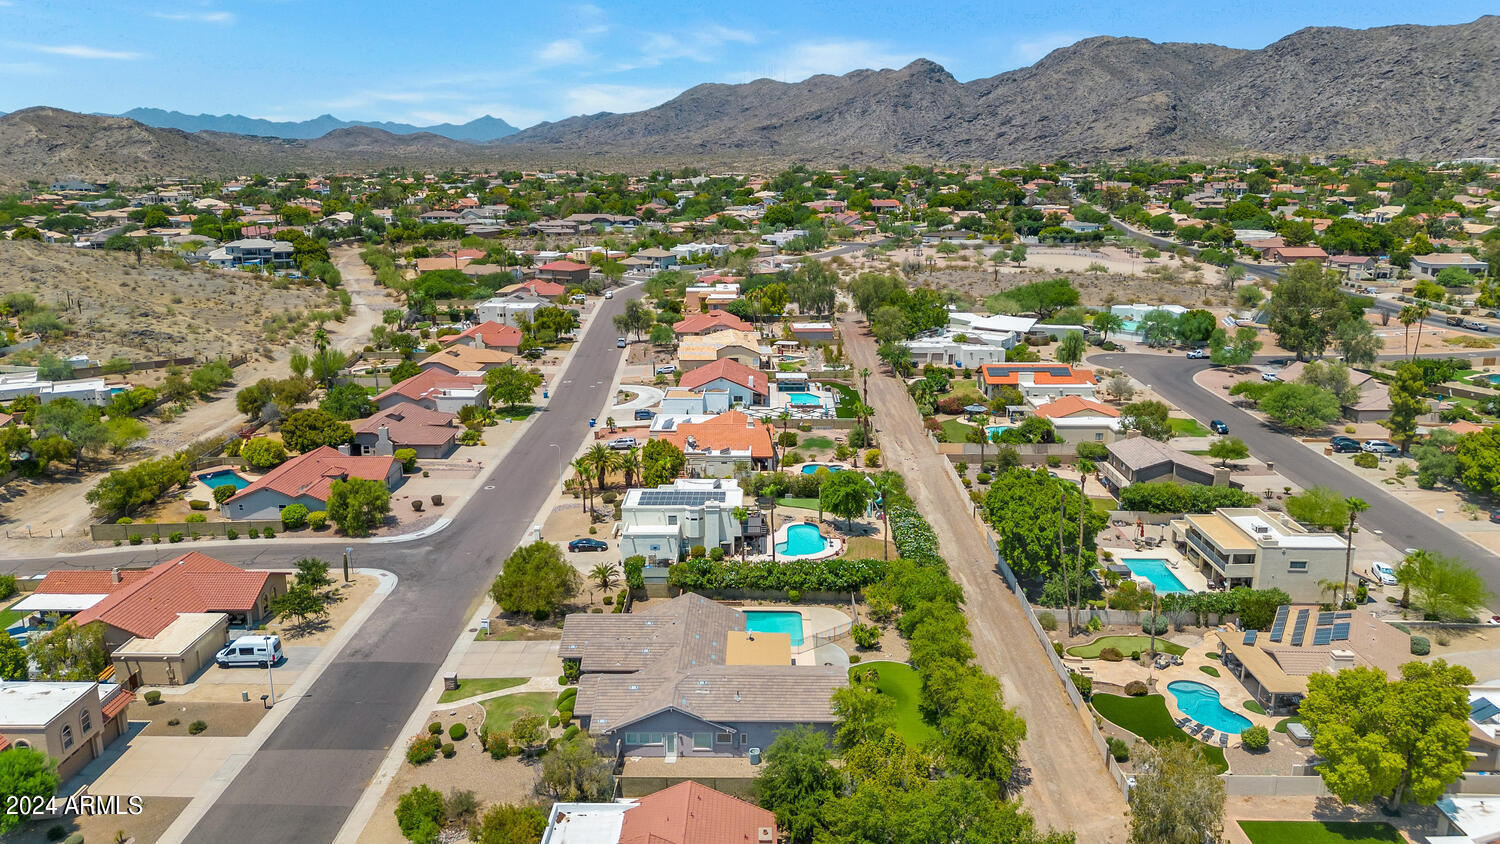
690 813
563 267
730 370
542 287
312 474
4 742
410 424
193 582
117 702
1069 405
699 323
85 582
732 430
430 382
494 335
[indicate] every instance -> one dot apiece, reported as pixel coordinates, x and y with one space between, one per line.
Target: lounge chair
1196 729
1183 721
1223 739
1208 736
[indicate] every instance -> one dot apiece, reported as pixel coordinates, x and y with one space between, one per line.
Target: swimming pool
992 430
813 467
1200 702
802 539
1157 572
775 621
804 398
223 477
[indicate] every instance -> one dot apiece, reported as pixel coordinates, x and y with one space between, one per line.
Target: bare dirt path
55 508
1067 785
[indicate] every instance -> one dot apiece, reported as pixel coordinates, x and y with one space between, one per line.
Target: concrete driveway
511 659
157 766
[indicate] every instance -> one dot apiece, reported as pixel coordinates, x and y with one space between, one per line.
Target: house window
744 739
671 520
1099 437
643 738
67 736
87 721
703 741
723 738
1298 565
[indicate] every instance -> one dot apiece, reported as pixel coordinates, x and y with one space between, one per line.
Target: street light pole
348 552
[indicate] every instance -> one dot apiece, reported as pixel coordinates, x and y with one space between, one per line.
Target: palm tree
978 435
320 340
1356 506
601 460
1422 312
864 377
862 413
628 463
604 574
582 466
1407 316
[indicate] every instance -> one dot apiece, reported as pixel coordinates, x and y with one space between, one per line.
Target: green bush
1255 738
982 477
1047 620
135 539
787 439
1154 623
1092 451
866 636
422 749
153 697
253 533
268 533
449 750
175 536
1136 688
419 814
224 492
1172 497
458 732
197 504
197 727
1366 460
124 520
407 457
317 519
552 720
294 516
565 715
1420 646
194 518
232 534
497 744
435 728
609 497
1118 749
1083 683
1111 655
570 732
794 595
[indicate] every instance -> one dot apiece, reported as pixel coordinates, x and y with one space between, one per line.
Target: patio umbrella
975 408
1141 526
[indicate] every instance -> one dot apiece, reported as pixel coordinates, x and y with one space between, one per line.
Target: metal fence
820 639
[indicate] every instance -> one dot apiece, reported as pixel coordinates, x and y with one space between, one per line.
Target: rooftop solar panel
1338 615
1279 626
1482 710
1250 637
1323 635
1341 631
1299 631
1325 618
680 497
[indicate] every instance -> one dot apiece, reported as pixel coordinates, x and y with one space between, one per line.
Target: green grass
1148 718
847 397
804 503
818 443
1253 706
955 431
1187 428
901 683
1209 670
478 686
10 616
1125 644
501 712
1319 832
788 366
865 548
1281 725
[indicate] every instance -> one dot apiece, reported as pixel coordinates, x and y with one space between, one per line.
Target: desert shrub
1083 683
135 539
1420 646
1118 749
153 697
1111 655
197 727
458 732
1135 688
552 720
865 635
224 492
436 728
610 497
1154 623
197 504
419 814
232 534
1366 460
1047 620
194 518
449 750
317 519
422 749
294 516
268 533
254 533
172 722
175 536
1255 738
697 551
794 596
716 554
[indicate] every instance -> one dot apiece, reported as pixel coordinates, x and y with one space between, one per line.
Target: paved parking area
161 766
510 659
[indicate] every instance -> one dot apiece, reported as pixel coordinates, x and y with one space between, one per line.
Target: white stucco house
663 523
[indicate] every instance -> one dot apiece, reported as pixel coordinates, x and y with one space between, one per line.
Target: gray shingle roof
1138 453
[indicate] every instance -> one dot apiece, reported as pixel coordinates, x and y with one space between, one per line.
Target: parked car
1380 447
1218 427
644 415
1383 573
623 443
259 651
666 369
1196 354
1345 445
1473 325
619 342
588 544
1495 516
609 294
1269 376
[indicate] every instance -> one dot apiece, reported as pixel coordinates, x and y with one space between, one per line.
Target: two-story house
1262 550
70 722
665 522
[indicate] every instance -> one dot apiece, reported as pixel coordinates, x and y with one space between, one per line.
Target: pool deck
1189 575
834 547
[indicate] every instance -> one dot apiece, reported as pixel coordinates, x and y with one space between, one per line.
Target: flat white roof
586 823
1274 529
48 602
1000 322
1477 815
24 704
175 637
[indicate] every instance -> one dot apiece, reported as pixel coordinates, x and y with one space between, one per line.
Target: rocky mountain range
1419 91
478 130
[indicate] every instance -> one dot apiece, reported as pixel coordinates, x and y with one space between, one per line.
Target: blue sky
453 60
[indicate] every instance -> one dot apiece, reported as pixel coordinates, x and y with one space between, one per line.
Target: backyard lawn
480 685
1187 428
1148 718
1319 832
816 444
847 397
501 712
865 548
901 683
9 617
1125 644
804 503
955 431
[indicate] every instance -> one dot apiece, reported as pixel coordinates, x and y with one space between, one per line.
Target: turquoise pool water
214 480
813 467
804 398
1158 573
1494 379
775 621
1200 702
992 430
802 539
1130 325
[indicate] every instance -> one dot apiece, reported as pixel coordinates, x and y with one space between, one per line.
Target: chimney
114 575
765 835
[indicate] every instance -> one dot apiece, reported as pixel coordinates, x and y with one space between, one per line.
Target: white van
258 651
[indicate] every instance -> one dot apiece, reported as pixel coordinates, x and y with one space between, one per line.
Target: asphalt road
302 783
1400 524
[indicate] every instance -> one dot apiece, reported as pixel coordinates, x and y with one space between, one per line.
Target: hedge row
836 574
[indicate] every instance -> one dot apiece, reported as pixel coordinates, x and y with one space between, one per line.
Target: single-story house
1373 402
685 813
745 386
1038 379
1076 419
432 434
1293 254
709 322
742 346
306 479
176 654
1428 266
436 389
488 335
1137 459
813 333
555 277
70 722
459 358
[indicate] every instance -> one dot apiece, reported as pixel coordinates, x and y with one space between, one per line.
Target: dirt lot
223 719
151 310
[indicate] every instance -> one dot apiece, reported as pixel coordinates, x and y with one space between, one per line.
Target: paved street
1171 376
313 768
1067 786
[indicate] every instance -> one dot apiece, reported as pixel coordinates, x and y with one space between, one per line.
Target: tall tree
1444 588
29 775
845 494
513 385
1306 307
536 579
797 782
1178 797
358 505
1071 349
1408 402
1148 417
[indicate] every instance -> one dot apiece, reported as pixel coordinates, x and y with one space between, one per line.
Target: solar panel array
1250 636
1341 631
1299 632
1278 628
1325 618
1323 636
680 497
1482 710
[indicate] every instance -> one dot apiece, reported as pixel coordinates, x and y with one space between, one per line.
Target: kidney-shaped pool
1200 702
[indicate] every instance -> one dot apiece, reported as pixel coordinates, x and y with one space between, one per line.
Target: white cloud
589 19
561 51
1033 50
196 17
79 51
700 45
810 58
589 99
